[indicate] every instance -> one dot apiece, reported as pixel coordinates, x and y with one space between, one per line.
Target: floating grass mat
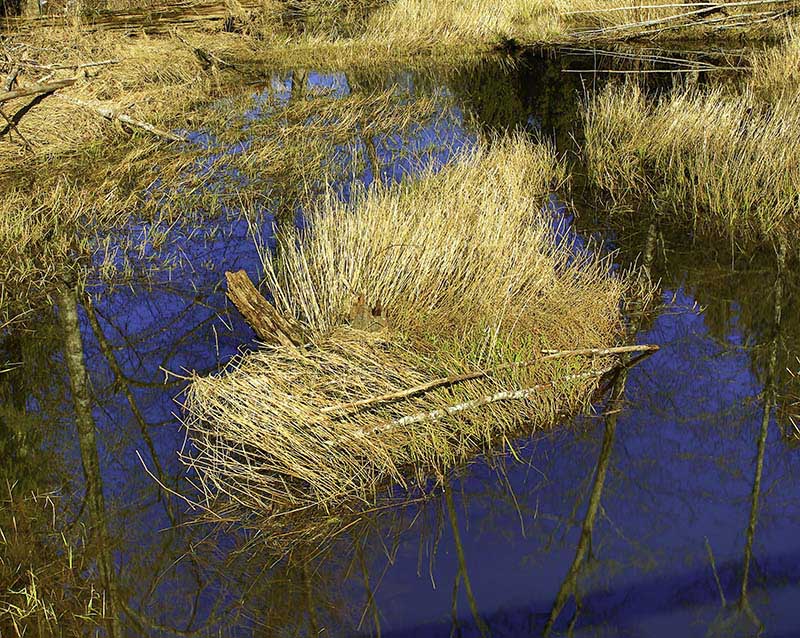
409 331
726 163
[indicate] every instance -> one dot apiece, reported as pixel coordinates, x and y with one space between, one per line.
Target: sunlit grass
471 274
725 163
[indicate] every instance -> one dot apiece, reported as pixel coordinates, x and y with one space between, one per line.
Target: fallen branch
60 67
356 406
679 5
36 89
508 395
112 114
260 314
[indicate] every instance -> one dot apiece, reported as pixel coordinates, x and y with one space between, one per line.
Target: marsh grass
471 273
776 70
725 163
120 204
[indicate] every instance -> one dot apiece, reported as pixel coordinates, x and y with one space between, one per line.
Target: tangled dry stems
472 274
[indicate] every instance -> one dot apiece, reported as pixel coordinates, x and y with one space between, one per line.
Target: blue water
678 489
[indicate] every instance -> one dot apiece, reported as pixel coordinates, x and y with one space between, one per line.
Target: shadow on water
671 512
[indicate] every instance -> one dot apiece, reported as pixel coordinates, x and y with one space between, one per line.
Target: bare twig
60 67
508 395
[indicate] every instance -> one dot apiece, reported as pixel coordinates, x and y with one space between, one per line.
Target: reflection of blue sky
681 470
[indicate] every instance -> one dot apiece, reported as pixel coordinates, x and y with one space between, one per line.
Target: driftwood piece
36 89
260 314
549 355
111 114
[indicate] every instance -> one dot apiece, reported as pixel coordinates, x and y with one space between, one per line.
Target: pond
672 512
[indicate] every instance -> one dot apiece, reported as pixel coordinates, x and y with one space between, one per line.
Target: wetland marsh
658 499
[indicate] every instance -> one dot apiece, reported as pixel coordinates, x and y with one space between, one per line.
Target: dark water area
683 517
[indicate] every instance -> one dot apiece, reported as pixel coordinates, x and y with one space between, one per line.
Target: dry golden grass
776 71
157 80
61 210
471 274
725 163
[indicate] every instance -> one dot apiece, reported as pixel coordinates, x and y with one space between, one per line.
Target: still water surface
681 517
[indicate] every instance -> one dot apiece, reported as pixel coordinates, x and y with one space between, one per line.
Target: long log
36 89
260 314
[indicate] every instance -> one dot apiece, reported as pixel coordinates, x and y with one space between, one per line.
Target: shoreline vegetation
722 160
97 95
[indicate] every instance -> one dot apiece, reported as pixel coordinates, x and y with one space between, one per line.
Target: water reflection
670 513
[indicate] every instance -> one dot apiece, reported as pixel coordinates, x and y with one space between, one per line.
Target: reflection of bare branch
462 573
108 354
569 586
770 397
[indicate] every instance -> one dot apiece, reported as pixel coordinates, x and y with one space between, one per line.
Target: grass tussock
117 204
776 71
725 163
471 274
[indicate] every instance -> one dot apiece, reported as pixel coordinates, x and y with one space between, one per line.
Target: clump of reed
471 275
776 70
724 163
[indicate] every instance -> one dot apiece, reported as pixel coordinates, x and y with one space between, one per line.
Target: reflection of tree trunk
371 604
122 382
313 623
84 421
570 583
770 396
372 154
355 85
299 81
462 573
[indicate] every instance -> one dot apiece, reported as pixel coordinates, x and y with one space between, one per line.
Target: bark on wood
508 395
11 78
260 314
111 114
36 89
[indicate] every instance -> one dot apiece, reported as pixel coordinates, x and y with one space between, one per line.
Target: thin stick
507 395
111 114
59 67
36 89
702 5
355 406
